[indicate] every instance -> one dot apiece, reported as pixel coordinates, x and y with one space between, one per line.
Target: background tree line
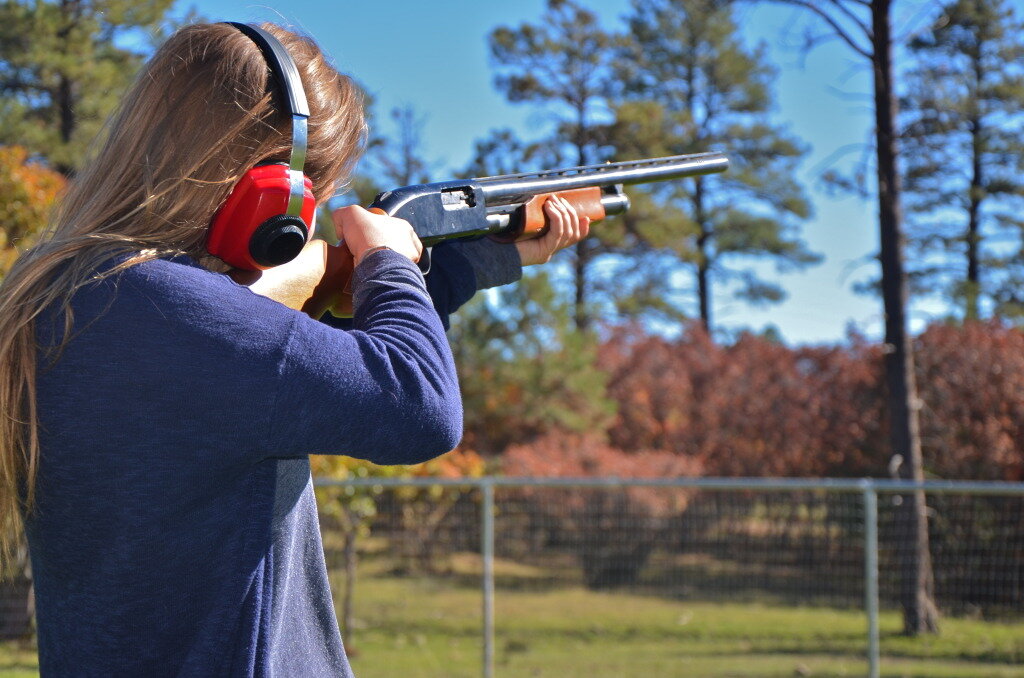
547 359
679 79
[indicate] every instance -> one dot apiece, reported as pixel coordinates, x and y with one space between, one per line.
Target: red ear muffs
251 231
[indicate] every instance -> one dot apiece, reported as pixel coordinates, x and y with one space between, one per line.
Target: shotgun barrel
514 188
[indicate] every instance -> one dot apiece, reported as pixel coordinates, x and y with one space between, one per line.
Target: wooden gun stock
317 281
334 293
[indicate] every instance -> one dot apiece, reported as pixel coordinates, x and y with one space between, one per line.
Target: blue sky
434 56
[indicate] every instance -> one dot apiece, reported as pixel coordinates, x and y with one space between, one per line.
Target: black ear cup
278 240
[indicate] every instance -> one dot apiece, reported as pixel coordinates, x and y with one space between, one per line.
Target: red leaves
576 456
750 409
759 408
972 389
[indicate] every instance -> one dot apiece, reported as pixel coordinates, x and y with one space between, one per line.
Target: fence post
487 555
871 574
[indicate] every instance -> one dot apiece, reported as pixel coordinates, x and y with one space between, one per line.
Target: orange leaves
459 463
28 192
583 456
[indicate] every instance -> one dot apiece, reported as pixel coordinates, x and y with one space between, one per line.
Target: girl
158 416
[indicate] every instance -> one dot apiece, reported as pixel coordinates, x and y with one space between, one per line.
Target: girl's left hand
565 228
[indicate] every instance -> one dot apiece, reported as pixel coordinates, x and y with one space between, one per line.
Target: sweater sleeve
457 270
386 391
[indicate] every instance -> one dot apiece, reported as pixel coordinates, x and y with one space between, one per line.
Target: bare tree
866 27
399 157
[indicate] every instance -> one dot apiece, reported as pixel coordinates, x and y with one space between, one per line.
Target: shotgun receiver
507 208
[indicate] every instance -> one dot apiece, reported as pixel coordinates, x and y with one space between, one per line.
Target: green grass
18 659
423 627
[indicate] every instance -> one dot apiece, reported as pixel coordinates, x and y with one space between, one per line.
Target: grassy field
421 627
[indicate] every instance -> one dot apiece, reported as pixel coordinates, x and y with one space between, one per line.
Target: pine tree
965 157
503 152
691 85
524 368
561 65
398 159
63 66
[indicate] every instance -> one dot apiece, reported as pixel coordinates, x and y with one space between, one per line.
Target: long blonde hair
202 112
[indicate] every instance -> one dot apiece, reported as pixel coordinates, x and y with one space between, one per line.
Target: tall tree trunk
973 291
66 102
704 294
699 216
703 256
65 91
920 614
974 209
584 248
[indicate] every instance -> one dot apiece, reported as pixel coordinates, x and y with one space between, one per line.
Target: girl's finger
557 219
584 227
569 216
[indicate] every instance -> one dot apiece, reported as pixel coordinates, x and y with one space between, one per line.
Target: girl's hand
363 231
565 228
318 279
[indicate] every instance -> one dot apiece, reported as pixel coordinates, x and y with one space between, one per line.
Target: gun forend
524 220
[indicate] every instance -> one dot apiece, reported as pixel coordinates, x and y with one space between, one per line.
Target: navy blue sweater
175 531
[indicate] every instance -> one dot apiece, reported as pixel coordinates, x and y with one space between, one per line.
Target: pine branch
910 34
840 32
848 13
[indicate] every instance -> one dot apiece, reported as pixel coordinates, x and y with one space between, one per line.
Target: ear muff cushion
278 240
260 195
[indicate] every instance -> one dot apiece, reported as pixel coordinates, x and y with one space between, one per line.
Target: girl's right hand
363 231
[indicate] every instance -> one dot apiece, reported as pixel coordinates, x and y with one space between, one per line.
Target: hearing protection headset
267 218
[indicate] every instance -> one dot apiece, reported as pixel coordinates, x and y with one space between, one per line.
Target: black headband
287 76
280 62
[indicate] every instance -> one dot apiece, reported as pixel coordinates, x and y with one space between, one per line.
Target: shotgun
510 207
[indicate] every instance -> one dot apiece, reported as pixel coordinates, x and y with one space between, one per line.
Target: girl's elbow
442 432
449 436
439 430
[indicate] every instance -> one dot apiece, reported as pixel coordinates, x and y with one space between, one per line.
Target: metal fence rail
774 531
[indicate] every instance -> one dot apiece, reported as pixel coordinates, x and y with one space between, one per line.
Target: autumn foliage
753 408
759 408
582 456
28 191
614 529
972 389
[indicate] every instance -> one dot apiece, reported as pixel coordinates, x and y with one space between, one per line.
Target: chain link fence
687 577
505 576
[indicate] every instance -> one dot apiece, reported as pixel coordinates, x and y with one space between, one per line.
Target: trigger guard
425 260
